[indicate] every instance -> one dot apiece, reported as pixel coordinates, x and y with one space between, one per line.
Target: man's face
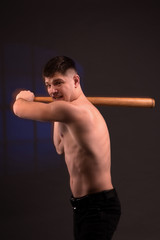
61 87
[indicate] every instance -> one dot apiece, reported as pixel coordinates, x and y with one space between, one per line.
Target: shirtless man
81 134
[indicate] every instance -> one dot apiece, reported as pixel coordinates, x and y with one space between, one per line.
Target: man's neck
79 95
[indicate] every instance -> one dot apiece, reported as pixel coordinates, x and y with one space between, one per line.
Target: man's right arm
58 139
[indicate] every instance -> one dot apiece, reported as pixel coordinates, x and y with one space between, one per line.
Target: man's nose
53 90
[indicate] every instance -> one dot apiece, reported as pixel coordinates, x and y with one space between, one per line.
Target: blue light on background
18 129
25 145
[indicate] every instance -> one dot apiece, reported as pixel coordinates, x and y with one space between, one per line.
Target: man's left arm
59 111
25 107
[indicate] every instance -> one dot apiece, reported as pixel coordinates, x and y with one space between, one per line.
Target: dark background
116 47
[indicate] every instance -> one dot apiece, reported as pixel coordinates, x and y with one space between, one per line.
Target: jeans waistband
92 198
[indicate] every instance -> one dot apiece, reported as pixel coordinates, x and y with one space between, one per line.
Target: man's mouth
57 97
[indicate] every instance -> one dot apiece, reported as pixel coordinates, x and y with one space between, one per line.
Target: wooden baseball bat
112 101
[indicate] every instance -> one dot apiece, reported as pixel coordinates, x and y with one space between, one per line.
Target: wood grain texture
112 101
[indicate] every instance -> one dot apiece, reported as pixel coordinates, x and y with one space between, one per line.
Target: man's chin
58 99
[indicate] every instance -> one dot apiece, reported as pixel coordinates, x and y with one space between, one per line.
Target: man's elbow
16 109
59 151
59 148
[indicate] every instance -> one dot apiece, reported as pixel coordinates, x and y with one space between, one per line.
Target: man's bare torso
86 147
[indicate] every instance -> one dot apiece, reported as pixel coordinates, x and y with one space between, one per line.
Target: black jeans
96 216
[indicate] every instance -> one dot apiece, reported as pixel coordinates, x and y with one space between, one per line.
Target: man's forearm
18 107
31 110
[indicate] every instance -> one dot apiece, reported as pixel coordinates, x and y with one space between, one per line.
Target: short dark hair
58 64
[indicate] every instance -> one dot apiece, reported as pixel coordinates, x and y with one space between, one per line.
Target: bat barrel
123 101
112 101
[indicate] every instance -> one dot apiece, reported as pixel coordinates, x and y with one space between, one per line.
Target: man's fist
26 95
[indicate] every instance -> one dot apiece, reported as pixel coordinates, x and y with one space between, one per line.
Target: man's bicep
62 111
59 111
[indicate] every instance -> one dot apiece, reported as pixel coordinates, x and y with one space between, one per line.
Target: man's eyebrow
53 80
57 79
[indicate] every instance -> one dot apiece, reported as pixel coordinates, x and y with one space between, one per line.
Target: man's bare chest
66 134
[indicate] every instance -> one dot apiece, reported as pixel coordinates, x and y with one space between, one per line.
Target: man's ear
76 79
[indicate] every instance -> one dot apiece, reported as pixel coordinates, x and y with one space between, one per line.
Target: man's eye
57 83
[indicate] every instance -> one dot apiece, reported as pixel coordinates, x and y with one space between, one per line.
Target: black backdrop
116 47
